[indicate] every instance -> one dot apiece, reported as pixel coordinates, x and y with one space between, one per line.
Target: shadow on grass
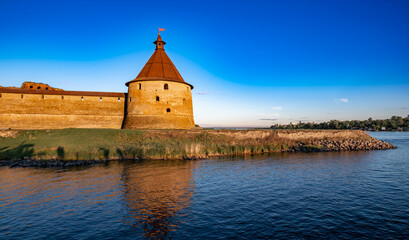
61 153
120 153
21 151
105 151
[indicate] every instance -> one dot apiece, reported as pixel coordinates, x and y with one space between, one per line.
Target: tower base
158 122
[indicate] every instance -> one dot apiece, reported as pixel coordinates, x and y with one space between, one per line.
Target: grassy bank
91 144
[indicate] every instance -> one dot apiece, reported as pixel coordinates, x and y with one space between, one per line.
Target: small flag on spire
161 29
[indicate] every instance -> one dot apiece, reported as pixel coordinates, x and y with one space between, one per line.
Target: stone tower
159 98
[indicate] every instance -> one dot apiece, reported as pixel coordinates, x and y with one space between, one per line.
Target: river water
282 196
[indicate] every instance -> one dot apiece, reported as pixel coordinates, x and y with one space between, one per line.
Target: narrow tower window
82 98
100 99
22 95
42 96
130 99
140 86
168 110
62 97
1 95
119 99
166 86
157 98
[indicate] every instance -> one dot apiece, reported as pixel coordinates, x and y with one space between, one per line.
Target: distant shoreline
76 147
395 123
254 128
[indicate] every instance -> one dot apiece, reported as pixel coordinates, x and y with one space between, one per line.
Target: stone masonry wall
151 106
47 111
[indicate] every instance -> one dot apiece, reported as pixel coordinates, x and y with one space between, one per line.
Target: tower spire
159 43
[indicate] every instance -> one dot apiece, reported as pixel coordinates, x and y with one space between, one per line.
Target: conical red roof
159 67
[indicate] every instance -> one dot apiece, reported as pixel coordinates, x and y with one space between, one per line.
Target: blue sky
253 63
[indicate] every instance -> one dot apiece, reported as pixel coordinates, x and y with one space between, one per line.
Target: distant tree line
395 123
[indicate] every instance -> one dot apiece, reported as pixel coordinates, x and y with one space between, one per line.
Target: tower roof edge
159 67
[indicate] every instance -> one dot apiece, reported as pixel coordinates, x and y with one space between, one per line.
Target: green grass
92 144
78 144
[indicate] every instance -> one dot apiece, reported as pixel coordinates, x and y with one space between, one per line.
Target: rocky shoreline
345 145
53 163
316 146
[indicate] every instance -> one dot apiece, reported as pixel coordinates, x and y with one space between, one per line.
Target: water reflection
156 193
262 196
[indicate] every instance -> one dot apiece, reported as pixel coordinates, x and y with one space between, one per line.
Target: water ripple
282 196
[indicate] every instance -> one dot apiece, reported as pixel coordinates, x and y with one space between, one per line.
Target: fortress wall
49 111
144 111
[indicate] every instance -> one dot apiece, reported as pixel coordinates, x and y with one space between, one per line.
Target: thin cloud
404 108
341 100
268 119
277 108
202 93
